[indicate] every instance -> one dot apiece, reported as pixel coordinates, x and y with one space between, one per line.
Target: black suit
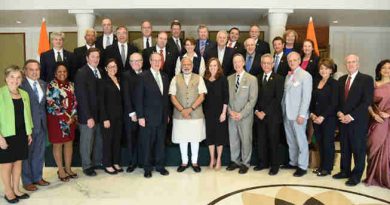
153 107
209 44
111 110
239 48
283 66
80 57
256 67
48 64
171 56
99 42
324 103
113 51
171 43
312 66
262 47
267 130
227 63
353 136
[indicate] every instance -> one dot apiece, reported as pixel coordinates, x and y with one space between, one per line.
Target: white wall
371 44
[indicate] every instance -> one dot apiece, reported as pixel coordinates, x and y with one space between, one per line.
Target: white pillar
277 20
84 19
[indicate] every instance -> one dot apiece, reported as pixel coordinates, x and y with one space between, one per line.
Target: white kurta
188 130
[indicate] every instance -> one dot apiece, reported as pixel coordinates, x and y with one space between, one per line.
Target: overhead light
335 21
18 22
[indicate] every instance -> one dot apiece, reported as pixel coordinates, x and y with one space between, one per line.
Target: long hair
378 69
207 73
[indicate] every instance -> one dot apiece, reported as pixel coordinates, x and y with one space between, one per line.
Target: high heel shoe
63 179
74 175
11 201
23 196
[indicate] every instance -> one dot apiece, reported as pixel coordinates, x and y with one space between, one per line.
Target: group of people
224 92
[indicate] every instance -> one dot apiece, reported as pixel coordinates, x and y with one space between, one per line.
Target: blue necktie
248 63
35 89
276 63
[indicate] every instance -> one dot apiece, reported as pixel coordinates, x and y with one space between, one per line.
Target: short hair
222 32
57 34
207 73
267 55
240 55
31 61
136 53
161 32
58 64
234 28
90 30
186 58
154 53
278 38
245 42
104 18
91 50
328 63
122 26
108 61
144 21
201 26
191 40
378 75
10 69
175 23
288 31
294 53
352 54
254 25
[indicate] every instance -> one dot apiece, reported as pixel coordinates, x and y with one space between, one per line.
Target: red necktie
230 44
162 58
346 89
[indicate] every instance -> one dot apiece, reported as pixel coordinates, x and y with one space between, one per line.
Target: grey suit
140 44
240 132
32 167
296 102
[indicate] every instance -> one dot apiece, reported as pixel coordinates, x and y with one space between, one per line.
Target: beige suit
140 44
242 101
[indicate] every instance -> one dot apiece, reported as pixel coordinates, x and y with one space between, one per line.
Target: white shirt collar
88 46
280 55
154 72
110 35
195 55
31 81
353 75
56 51
158 49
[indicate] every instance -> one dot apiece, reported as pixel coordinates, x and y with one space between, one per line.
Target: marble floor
207 187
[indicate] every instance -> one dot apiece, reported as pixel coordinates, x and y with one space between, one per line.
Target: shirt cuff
351 117
132 114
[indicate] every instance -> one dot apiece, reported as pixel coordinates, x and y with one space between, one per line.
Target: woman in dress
61 120
111 115
323 114
378 144
197 61
291 37
15 133
215 108
310 59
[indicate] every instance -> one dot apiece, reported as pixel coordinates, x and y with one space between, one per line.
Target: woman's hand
3 143
29 139
222 117
378 118
384 115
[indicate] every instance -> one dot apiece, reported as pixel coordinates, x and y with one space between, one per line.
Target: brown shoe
30 187
42 182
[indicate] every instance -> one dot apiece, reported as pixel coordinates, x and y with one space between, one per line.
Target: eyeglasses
136 61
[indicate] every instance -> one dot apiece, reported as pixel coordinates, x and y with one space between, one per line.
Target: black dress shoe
259 168
243 169
89 172
273 171
163 172
12 201
340 175
323 173
23 196
288 166
130 168
148 174
299 172
181 168
232 166
352 182
110 172
316 171
196 169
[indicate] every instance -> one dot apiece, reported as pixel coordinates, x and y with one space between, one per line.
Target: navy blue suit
209 44
227 63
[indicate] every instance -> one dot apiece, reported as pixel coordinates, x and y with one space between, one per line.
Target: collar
241 74
88 46
353 75
31 81
224 47
119 44
92 68
56 51
195 55
110 35
154 72
280 54
158 48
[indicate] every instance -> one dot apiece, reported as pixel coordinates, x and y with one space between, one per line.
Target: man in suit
222 52
234 35
108 38
129 82
121 50
252 59
243 90
146 41
151 105
295 106
32 167
203 43
169 55
87 88
268 117
175 41
280 59
90 38
56 54
262 47
356 94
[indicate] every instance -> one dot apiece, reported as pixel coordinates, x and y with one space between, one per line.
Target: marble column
84 19
277 19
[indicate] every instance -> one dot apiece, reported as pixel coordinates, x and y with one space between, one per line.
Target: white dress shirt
111 36
39 88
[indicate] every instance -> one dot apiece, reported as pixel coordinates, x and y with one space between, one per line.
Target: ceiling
237 17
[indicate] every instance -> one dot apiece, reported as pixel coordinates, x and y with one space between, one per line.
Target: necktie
123 54
178 45
237 82
95 73
230 45
162 58
157 78
202 47
248 63
264 79
147 43
346 89
276 63
108 42
35 89
59 58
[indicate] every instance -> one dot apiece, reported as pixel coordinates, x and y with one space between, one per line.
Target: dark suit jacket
110 101
270 97
87 91
283 67
360 96
38 109
114 52
99 42
149 102
48 64
169 63
262 47
80 57
209 44
312 66
256 67
324 102
227 63
129 82
239 48
171 43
